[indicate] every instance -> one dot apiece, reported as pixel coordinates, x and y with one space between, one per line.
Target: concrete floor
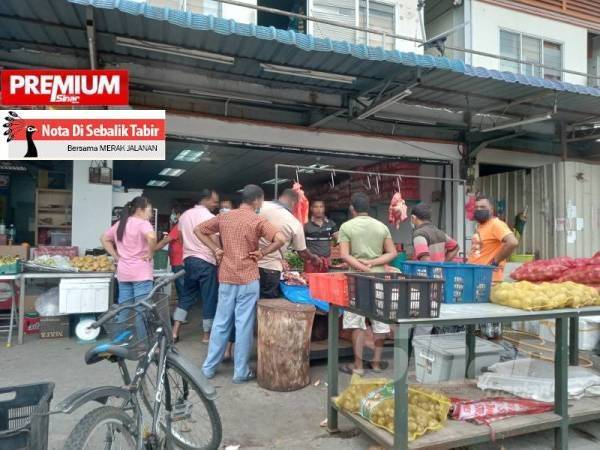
252 417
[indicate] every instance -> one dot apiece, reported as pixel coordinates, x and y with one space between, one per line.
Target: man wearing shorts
366 246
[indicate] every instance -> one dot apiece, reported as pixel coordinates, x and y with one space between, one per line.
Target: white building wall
487 20
406 21
92 208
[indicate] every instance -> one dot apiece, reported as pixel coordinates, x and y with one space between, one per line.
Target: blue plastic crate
463 283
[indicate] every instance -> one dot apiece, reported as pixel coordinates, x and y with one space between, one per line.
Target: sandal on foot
351 370
382 366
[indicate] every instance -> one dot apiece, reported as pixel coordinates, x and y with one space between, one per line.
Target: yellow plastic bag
359 388
427 410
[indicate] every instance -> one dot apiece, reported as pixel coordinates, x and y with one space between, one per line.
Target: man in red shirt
175 241
240 231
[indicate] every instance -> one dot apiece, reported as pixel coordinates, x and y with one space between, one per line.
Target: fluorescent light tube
160 47
404 119
171 172
225 95
307 73
188 155
314 166
157 183
279 181
532 119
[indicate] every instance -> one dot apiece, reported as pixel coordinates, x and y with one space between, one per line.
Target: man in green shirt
366 246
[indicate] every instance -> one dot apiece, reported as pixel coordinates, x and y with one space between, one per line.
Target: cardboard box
15 250
54 327
30 303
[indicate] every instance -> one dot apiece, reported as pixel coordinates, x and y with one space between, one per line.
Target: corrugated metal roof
450 83
308 43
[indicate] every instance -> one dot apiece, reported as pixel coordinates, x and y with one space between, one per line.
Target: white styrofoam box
83 295
442 357
529 326
589 331
509 268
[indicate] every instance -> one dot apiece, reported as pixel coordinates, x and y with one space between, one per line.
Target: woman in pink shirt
131 243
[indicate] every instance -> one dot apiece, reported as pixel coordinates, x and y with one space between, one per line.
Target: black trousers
269 283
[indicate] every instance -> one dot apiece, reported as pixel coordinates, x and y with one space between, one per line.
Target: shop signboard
82 134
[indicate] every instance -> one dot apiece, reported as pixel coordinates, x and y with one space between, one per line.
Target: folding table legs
332 366
561 373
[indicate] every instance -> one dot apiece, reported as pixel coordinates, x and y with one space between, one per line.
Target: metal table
23 277
52 276
468 315
10 326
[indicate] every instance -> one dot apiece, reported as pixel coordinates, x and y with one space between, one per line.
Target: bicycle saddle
113 351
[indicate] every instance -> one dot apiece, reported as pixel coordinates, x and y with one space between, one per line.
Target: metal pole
574 341
401 359
360 172
561 394
398 36
332 366
276 181
90 28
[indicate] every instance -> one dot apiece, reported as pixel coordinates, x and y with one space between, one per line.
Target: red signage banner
64 87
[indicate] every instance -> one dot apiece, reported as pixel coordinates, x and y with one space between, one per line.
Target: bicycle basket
136 328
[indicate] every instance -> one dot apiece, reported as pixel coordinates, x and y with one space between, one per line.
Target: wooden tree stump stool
284 344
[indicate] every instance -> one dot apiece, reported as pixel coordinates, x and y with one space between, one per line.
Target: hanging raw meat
470 206
300 211
398 211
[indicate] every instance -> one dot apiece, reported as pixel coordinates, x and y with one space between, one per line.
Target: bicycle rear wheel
104 428
195 421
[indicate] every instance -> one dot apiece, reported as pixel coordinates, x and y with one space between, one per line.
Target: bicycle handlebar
144 303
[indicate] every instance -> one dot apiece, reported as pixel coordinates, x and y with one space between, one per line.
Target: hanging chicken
398 211
300 211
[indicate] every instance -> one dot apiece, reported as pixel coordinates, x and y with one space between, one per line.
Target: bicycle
141 331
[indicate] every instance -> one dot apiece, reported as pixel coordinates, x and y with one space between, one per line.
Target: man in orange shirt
496 239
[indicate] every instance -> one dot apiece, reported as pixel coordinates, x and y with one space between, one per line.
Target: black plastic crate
388 297
24 416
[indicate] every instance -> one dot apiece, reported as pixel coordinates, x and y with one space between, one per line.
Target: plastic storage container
589 331
391 296
463 283
83 295
442 357
329 287
11 269
60 238
24 418
521 258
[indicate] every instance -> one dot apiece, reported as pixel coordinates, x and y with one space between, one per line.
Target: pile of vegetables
373 399
7 260
544 296
294 261
53 261
93 263
579 270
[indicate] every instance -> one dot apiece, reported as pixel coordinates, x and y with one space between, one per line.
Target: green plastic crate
11 269
161 260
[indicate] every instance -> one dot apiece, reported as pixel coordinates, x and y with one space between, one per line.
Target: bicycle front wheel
104 428
195 421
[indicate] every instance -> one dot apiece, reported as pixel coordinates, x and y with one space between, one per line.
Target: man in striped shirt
430 243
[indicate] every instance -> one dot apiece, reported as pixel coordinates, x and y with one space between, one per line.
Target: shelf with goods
53 216
458 434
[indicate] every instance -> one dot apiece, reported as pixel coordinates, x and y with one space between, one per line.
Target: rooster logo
15 124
